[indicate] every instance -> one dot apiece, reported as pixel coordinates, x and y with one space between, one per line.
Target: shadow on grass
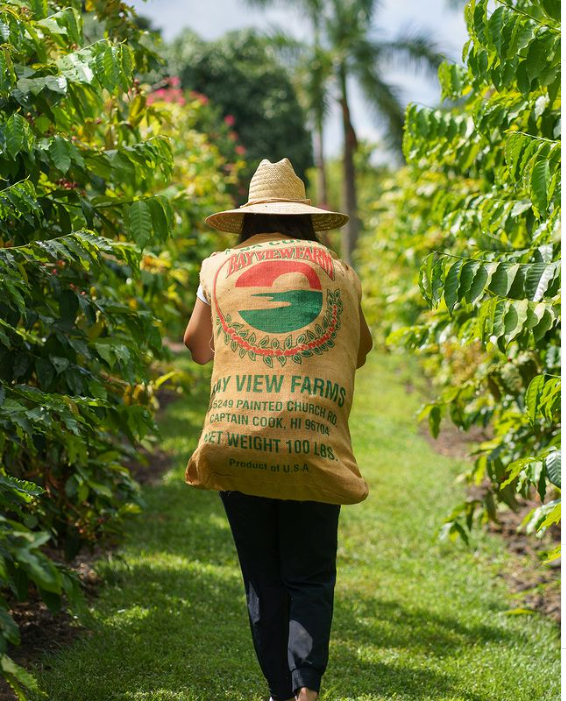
175 626
388 624
172 623
366 627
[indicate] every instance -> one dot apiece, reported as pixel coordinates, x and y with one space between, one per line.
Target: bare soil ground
536 586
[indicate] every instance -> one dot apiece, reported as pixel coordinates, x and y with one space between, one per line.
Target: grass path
414 619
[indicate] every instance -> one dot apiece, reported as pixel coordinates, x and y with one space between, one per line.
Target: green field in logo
303 308
304 303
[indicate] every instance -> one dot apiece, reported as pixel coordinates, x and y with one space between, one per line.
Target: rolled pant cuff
305 676
281 694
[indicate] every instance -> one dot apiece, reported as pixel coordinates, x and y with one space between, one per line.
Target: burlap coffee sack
286 334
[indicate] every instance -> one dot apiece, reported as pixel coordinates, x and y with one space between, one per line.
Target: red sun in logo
302 304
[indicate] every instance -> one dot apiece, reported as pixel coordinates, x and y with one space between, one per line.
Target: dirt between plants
535 586
152 464
42 631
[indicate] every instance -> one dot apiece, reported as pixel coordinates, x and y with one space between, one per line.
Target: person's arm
366 341
199 337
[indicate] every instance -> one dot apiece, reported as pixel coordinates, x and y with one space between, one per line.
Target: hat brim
231 220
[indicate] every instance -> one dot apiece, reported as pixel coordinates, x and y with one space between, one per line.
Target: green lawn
414 618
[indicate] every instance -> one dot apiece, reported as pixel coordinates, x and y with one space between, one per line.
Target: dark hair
299 226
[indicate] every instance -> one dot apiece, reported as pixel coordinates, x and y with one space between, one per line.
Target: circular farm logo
282 311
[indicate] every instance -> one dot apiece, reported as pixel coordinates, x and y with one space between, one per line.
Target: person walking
280 315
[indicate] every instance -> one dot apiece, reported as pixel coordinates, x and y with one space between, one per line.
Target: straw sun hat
276 189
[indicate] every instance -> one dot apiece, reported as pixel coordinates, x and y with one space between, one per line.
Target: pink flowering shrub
170 92
206 117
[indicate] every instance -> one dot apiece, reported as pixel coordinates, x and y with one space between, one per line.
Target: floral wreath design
269 347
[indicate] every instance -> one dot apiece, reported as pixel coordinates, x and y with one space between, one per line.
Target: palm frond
345 23
289 49
385 101
262 4
309 7
314 80
368 8
413 48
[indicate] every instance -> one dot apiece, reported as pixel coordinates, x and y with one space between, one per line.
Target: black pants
287 552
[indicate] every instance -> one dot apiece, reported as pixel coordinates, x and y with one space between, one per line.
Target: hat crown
276 181
275 189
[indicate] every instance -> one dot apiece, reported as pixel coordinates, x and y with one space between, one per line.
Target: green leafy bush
463 265
76 333
88 281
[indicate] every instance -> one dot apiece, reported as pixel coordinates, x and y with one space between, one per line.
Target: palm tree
314 78
363 54
346 31
313 70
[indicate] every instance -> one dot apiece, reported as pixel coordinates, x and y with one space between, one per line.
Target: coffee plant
87 282
463 263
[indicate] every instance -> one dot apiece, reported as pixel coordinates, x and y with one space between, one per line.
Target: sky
213 18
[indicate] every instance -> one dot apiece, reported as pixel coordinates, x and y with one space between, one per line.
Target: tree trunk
351 230
321 184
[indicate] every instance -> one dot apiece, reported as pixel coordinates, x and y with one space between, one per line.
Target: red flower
203 99
230 120
240 150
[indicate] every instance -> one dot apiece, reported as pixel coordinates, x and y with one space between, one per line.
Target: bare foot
306 694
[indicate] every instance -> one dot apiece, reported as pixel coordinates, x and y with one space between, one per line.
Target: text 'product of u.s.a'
286 329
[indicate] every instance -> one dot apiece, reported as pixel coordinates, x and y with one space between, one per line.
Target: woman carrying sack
280 315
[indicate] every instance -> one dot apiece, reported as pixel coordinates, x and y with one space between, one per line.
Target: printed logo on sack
282 311
301 307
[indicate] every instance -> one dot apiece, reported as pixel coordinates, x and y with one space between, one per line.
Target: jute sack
286 331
